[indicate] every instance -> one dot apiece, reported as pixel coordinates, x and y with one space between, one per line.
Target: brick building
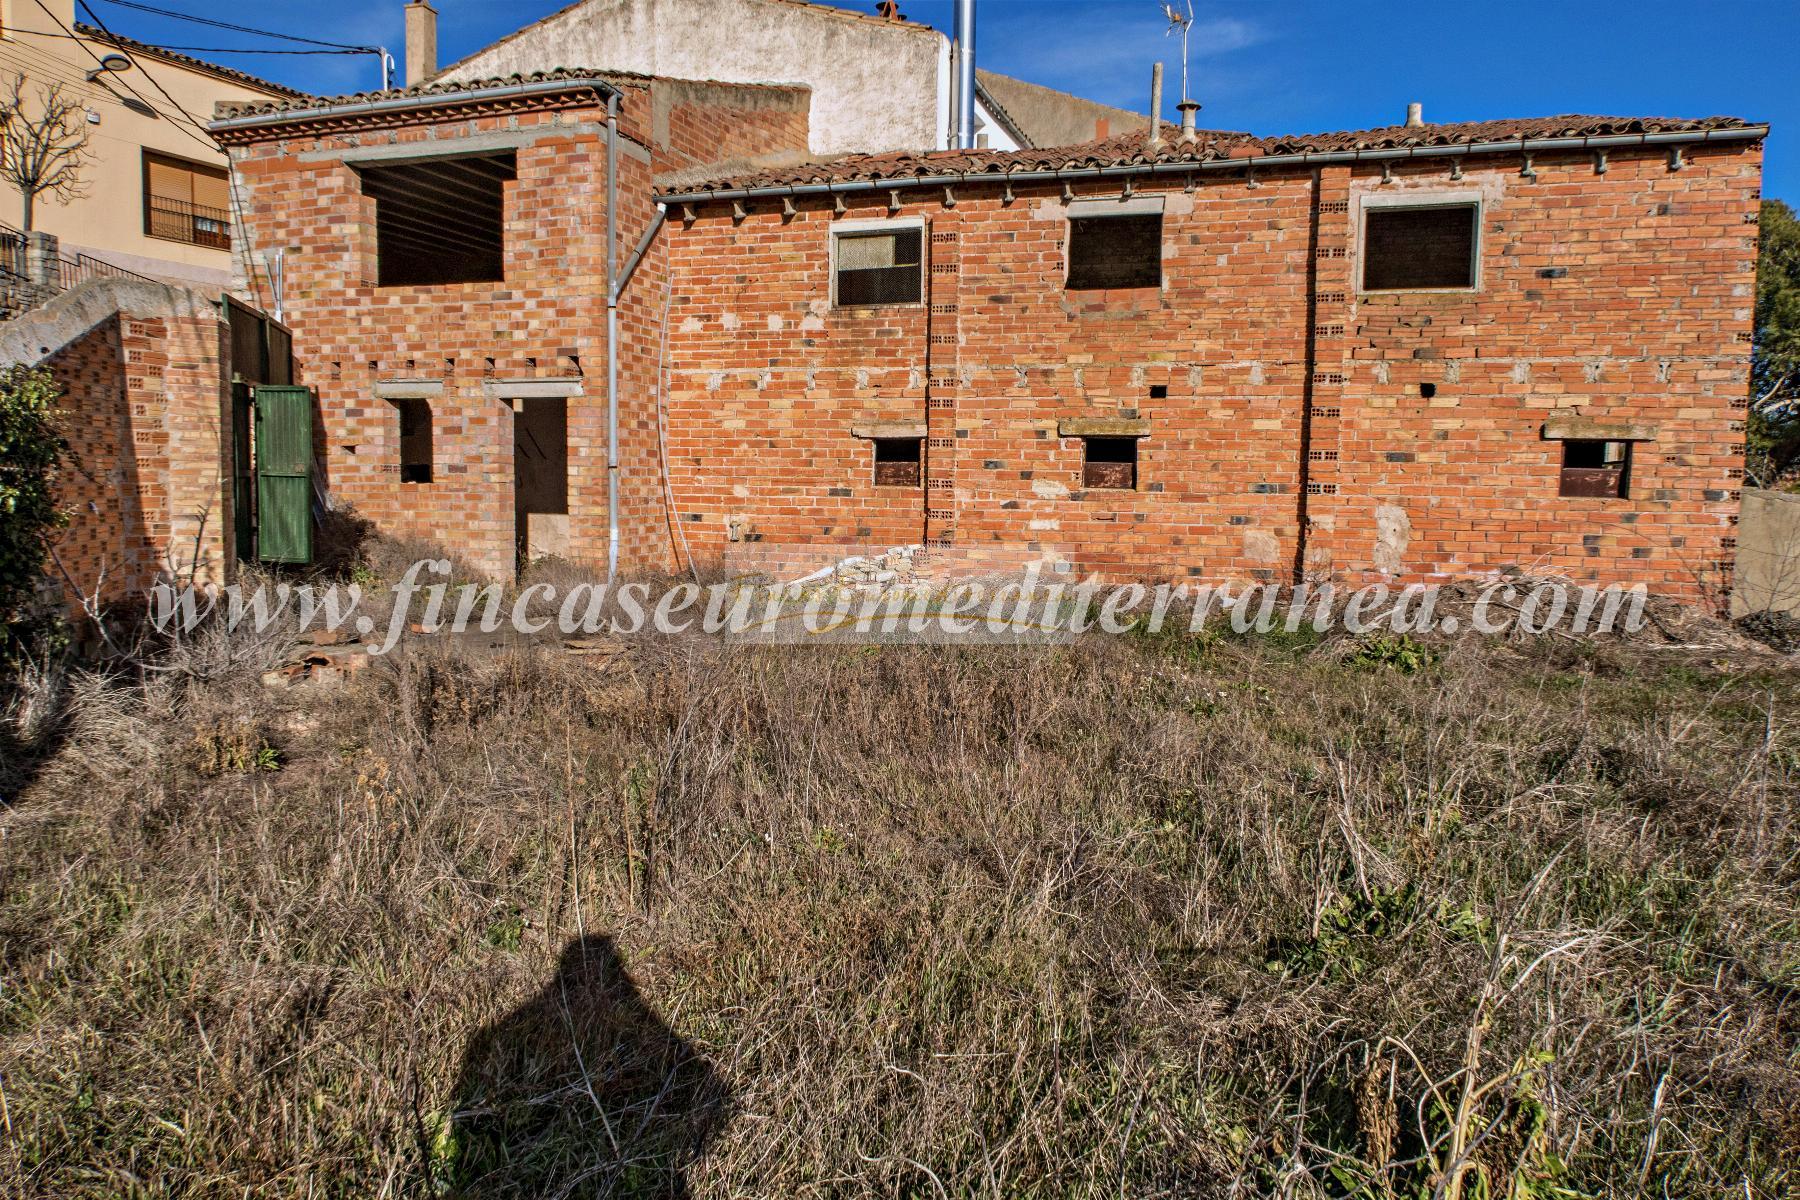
1407 353
143 369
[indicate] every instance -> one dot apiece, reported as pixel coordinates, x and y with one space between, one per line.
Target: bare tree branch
43 143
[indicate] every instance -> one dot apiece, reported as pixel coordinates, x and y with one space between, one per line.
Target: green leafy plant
1773 428
1399 652
30 451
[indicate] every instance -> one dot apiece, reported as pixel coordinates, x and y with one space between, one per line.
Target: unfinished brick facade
145 407
481 354
1287 421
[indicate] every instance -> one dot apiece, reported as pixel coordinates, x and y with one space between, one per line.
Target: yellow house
155 196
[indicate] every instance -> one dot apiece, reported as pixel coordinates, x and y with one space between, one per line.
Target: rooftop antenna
1183 22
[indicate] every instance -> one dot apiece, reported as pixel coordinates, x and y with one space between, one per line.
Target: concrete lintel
888 429
409 389
1571 427
530 389
469 144
1122 206
1102 427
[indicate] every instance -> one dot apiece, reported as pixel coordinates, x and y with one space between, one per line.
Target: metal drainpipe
965 74
612 337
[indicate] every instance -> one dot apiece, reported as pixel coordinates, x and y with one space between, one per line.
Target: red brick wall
546 321
147 485
1648 322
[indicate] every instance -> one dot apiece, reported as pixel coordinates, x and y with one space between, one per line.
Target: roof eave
395 104
1184 167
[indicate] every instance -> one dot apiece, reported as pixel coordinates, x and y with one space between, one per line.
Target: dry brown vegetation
1137 916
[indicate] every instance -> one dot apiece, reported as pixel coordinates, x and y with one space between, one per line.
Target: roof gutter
359 108
1307 158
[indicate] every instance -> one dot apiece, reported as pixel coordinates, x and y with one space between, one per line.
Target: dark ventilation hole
897 462
1115 252
1423 247
1596 468
415 440
1109 462
1159 391
441 221
1428 390
879 267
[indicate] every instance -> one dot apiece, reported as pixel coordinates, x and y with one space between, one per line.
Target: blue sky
1278 66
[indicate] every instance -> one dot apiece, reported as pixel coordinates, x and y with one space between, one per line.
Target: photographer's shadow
582 1091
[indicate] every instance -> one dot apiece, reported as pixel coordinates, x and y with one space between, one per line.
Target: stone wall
1768 574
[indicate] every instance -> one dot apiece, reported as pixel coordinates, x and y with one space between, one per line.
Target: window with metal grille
1430 246
879 266
898 462
1593 468
186 201
415 440
1109 462
1115 252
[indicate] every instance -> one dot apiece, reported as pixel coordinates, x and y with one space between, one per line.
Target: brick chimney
421 42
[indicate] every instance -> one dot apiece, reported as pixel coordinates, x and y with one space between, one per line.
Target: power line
247 50
76 37
157 84
207 141
181 16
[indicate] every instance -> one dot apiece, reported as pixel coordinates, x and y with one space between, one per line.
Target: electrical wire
181 16
207 141
157 84
76 37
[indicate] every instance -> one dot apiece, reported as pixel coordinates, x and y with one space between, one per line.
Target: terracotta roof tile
424 91
1129 149
198 64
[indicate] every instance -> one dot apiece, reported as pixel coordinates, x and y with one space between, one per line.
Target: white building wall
876 85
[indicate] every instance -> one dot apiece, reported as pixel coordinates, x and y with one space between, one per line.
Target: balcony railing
81 268
185 221
12 252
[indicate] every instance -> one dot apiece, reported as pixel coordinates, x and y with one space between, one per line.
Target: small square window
415 440
1109 462
1419 247
881 266
1115 252
1593 468
898 462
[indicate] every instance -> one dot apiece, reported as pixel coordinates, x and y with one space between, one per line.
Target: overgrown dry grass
1133 917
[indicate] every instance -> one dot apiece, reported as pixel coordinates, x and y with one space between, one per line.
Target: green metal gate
284 453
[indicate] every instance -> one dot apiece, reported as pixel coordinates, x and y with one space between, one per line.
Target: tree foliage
43 143
30 451
1774 428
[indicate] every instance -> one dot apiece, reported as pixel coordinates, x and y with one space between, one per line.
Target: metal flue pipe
1155 139
965 74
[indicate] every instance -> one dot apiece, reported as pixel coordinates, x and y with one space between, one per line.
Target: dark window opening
1115 252
879 267
1592 468
441 221
1159 391
1430 247
1109 462
415 440
898 462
